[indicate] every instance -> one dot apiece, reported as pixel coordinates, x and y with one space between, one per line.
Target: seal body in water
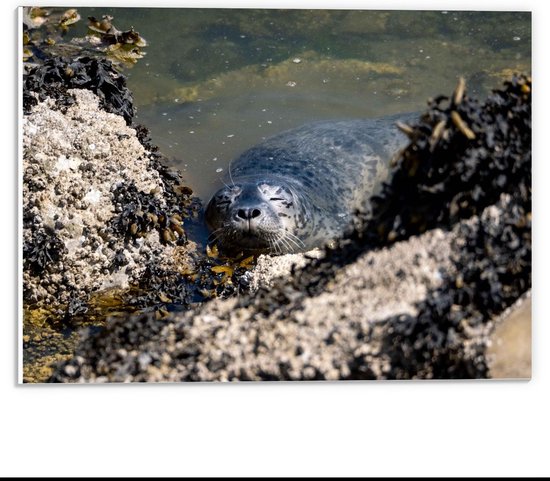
299 189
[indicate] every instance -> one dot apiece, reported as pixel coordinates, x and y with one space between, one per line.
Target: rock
268 268
509 351
87 181
279 333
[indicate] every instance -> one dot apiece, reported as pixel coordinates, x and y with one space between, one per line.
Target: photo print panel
274 195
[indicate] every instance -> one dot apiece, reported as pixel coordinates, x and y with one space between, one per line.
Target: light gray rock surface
73 162
270 337
386 315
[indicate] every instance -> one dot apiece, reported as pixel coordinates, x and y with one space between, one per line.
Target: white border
20 197
428 429
449 5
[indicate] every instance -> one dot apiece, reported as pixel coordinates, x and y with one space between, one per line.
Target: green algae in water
50 337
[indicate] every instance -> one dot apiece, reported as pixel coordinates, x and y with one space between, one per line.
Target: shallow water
217 81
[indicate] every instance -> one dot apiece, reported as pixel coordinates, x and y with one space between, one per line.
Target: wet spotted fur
299 189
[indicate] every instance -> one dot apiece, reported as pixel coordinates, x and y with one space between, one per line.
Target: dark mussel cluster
138 213
58 74
463 155
45 248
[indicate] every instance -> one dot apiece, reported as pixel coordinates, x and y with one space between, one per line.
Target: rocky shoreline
369 322
412 292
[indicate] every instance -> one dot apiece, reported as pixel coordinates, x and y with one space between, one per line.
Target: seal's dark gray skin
299 189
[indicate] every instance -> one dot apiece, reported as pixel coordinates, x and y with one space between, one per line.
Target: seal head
258 216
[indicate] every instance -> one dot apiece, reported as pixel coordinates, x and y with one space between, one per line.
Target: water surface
217 81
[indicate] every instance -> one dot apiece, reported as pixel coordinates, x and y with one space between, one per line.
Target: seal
299 189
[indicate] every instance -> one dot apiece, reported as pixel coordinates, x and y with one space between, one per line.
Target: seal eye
276 198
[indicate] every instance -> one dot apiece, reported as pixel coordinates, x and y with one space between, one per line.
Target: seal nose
249 213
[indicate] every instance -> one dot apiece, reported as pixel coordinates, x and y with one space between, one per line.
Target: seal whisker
216 234
217 231
293 246
277 242
282 240
223 182
215 239
277 247
292 241
299 243
273 243
230 176
290 234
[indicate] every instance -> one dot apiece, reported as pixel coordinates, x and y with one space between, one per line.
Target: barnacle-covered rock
87 181
100 208
462 156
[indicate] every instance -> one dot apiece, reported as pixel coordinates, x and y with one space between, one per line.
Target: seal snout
249 209
248 218
249 213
